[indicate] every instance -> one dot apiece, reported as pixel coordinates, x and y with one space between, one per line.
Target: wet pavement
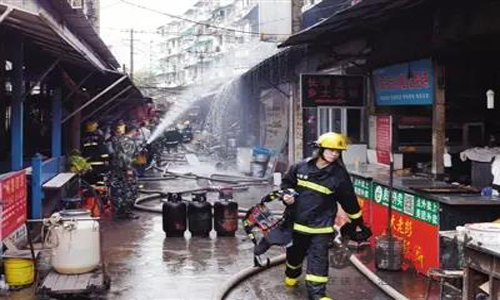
144 264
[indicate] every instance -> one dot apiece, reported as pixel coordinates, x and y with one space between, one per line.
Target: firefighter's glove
288 196
356 230
290 192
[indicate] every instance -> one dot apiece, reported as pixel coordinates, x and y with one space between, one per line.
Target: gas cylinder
174 216
225 216
200 215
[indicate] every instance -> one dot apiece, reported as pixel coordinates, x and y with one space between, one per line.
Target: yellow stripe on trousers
316 278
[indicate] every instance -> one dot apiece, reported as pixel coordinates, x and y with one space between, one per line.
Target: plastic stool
441 275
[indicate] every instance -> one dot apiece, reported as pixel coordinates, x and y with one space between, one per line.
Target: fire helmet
332 140
91 126
119 127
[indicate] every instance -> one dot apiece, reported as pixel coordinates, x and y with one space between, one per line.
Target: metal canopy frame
114 105
94 98
5 14
79 85
107 102
42 77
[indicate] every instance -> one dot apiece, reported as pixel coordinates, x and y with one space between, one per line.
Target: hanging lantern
490 99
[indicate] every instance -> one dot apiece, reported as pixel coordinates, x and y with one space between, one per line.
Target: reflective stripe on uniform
293 267
104 155
313 230
355 216
97 163
89 144
314 186
316 278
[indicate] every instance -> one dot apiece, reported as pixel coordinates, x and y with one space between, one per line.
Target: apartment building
214 39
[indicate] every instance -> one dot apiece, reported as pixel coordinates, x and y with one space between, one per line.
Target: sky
117 18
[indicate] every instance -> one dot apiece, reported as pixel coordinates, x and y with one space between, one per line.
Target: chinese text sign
14 202
331 90
405 84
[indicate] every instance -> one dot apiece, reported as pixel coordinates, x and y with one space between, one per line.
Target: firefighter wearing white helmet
321 182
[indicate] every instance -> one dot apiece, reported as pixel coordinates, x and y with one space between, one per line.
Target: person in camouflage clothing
122 179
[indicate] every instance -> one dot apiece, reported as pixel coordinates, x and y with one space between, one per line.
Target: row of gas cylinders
198 215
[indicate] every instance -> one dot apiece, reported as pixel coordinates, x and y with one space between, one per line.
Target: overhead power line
196 22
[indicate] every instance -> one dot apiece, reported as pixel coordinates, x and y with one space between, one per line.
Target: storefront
432 86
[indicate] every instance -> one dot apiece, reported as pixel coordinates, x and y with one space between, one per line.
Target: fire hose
278 260
155 194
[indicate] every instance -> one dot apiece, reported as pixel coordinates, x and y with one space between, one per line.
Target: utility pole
201 67
132 54
150 57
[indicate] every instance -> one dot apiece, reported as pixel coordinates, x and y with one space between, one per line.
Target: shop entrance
348 121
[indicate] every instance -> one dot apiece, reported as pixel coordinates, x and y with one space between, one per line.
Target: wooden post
295 130
298 122
438 120
56 123
74 126
3 100
36 186
18 88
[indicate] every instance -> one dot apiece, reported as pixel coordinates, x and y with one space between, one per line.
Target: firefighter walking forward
321 182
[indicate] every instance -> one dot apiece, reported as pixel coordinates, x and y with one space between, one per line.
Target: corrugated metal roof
50 36
77 20
365 12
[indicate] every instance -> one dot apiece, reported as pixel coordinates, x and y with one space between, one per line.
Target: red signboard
384 139
13 195
365 209
331 90
420 239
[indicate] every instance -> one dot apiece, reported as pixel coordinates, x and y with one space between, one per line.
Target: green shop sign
362 187
413 205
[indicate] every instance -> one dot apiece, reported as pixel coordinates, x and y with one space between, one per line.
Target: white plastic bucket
78 245
484 234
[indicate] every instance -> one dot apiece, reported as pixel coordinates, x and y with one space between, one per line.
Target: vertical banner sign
363 190
420 239
384 139
331 90
14 202
409 83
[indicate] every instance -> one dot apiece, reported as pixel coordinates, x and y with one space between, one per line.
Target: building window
348 121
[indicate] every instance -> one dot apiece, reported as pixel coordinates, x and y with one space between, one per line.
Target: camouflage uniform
122 180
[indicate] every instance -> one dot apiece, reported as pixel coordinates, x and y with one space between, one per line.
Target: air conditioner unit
76 4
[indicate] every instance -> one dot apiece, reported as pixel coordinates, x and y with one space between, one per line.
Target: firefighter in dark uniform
321 182
95 152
